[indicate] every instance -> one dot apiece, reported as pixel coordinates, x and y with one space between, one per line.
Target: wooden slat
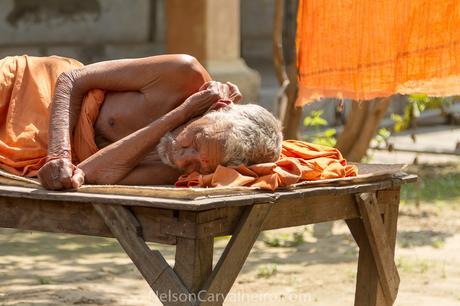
381 249
237 250
199 204
151 264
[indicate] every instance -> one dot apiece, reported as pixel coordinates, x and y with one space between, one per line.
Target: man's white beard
162 149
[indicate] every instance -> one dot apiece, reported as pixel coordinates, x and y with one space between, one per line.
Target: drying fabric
26 91
363 49
299 161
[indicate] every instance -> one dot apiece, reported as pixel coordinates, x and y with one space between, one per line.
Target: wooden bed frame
369 209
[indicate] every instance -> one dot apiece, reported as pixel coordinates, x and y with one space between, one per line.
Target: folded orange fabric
26 91
363 49
299 161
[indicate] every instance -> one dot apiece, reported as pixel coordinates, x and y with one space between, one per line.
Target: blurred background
234 40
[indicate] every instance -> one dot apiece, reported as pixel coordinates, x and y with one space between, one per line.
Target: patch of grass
457 296
438 183
351 274
42 280
439 243
267 271
411 239
408 265
284 240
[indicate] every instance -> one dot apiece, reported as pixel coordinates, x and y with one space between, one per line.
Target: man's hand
60 173
198 103
227 91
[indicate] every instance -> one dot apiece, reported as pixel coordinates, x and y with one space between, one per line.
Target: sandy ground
49 269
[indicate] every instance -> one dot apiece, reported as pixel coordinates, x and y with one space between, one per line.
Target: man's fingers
223 91
65 173
45 178
78 178
235 94
205 86
57 174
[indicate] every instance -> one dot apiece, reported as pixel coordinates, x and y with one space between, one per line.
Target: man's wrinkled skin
146 99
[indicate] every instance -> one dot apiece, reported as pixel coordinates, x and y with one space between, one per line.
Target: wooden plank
392 198
199 204
234 256
286 213
193 256
76 218
151 264
368 288
381 249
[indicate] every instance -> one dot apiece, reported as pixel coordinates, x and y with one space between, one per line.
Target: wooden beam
234 256
151 264
381 249
293 211
76 218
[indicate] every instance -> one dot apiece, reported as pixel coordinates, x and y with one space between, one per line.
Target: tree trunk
289 114
361 126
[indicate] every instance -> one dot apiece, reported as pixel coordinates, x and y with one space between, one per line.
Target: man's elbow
189 67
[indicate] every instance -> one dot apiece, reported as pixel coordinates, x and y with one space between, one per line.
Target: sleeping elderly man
161 116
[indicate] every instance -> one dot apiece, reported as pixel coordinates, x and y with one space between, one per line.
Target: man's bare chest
122 113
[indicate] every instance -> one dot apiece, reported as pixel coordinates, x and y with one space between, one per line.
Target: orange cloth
299 161
363 49
83 141
26 91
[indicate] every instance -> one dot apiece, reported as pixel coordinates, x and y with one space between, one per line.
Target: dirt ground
295 266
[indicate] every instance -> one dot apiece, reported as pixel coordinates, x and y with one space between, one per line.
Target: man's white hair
253 134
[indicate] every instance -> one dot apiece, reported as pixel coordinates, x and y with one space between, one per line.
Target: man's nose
187 157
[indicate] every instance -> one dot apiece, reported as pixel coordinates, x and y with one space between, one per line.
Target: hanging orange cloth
26 91
363 49
299 161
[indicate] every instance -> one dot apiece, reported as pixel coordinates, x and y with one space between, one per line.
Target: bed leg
150 263
193 257
377 277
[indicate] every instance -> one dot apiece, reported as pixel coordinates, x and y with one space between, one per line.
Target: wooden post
193 257
369 289
232 260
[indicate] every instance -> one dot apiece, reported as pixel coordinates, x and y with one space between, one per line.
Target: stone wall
88 30
93 30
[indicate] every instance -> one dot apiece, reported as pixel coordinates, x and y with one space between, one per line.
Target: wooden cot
368 204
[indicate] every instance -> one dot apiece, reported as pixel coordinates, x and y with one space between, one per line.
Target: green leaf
330 132
317 121
307 121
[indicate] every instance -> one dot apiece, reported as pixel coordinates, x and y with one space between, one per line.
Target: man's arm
112 163
117 75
